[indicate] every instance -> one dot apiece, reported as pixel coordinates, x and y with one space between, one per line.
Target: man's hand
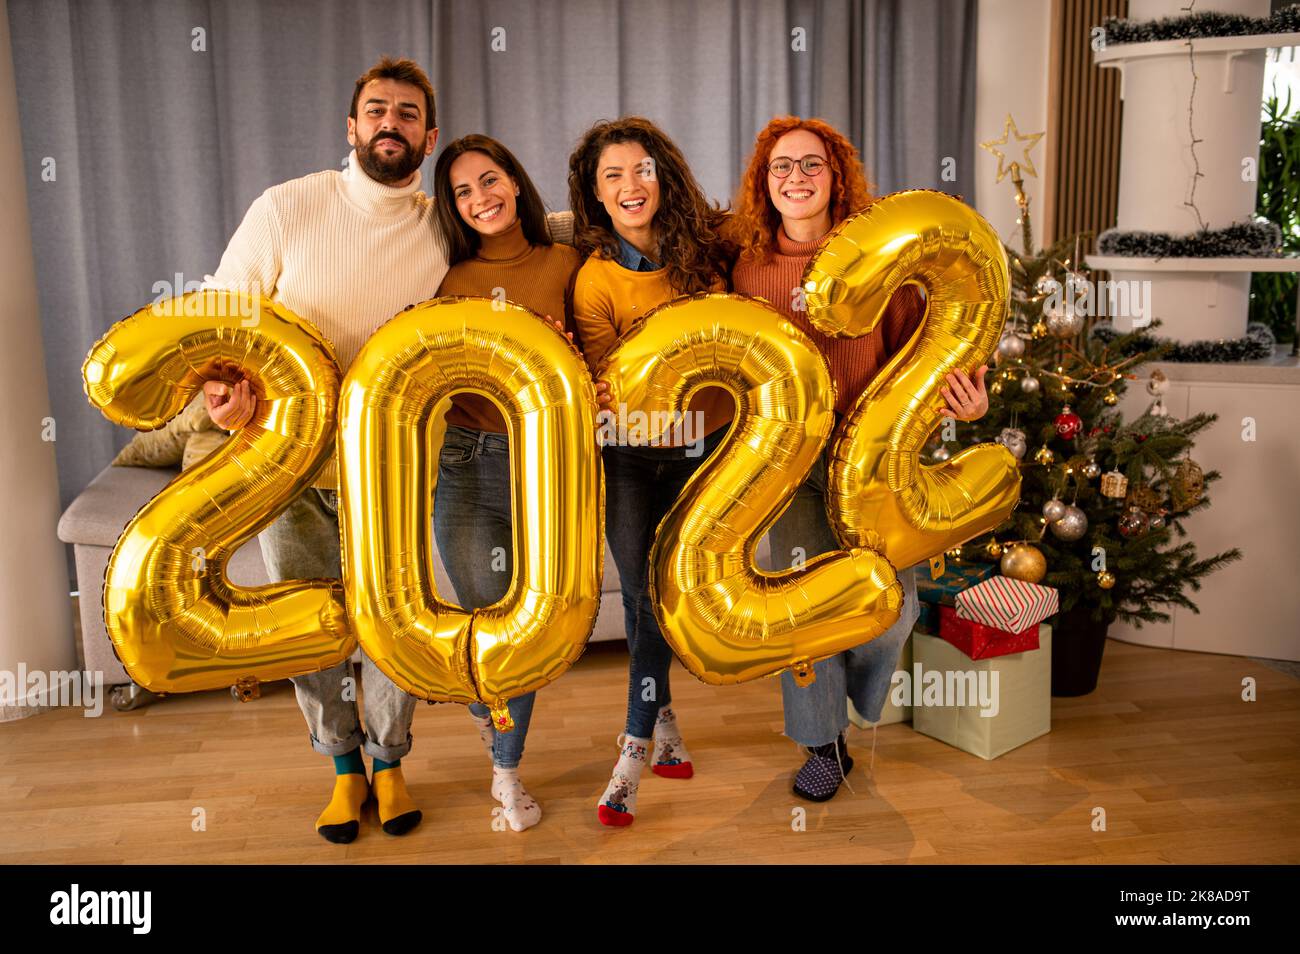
231 406
967 400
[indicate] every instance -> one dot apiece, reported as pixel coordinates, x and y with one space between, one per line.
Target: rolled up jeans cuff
388 753
342 747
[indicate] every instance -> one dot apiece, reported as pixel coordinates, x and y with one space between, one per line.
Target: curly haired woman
803 179
651 236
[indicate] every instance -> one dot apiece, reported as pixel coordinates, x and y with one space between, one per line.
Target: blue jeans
817 714
471 522
641 486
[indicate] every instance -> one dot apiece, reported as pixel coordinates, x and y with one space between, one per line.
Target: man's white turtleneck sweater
341 250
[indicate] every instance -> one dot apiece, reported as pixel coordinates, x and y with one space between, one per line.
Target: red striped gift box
1007 604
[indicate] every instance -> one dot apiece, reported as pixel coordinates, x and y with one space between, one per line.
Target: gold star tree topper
1030 140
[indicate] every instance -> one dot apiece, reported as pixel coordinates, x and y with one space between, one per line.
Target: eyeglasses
782 166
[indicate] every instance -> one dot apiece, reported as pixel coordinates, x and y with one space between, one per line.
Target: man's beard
384 168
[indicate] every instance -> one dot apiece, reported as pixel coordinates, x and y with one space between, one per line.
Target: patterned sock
397 812
821 775
484 726
341 820
617 805
521 809
671 760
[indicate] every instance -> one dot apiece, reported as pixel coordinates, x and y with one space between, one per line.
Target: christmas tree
1103 500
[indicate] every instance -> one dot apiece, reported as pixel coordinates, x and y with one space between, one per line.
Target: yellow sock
341 819
397 812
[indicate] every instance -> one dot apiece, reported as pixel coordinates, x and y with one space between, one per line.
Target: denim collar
633 260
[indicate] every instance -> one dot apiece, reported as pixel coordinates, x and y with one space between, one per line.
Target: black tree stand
1078 642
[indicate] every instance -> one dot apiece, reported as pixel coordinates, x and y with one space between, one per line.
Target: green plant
1273 294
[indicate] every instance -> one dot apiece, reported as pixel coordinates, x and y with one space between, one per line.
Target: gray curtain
158 137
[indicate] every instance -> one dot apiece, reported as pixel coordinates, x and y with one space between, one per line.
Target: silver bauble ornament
941 453
1046 284
1054 510
1063 321
1092 470
1029 384
1013 439
1072 525
1011 346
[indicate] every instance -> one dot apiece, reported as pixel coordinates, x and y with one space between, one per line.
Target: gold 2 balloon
389 435
174 619
726 620
881 496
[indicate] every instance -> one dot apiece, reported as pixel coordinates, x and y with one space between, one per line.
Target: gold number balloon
175 621
727 621
881 495
389 432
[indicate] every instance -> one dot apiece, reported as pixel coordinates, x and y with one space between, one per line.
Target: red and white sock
671 760
617 805
521 809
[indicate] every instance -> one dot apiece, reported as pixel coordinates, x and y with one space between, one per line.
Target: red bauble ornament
1068 424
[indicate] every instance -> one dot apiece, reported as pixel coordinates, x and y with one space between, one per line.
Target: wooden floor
1185 771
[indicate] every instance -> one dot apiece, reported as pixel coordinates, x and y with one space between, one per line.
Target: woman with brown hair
651 236
803 179
498 243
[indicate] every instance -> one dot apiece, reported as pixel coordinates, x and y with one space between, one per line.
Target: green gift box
957 577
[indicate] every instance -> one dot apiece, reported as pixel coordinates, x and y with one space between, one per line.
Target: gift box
986 707
958 577
891 712
1007 604
983 642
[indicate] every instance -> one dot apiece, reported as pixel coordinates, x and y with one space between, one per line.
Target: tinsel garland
1199 25
1255 239
1258 343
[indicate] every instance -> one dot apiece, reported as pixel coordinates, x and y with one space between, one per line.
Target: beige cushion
165 447
200 445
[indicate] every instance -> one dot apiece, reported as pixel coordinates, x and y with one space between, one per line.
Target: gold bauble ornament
994 549
1023 561
995 387
1110 399
1105 579
1039 330
1044 455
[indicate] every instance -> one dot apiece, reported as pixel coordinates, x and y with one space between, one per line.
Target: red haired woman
803 179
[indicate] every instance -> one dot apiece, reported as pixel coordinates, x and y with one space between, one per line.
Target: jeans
303 543
641 485
471 521
817 714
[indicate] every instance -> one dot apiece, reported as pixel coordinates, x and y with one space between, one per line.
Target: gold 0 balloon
727 621
881 496
389 434
176 622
